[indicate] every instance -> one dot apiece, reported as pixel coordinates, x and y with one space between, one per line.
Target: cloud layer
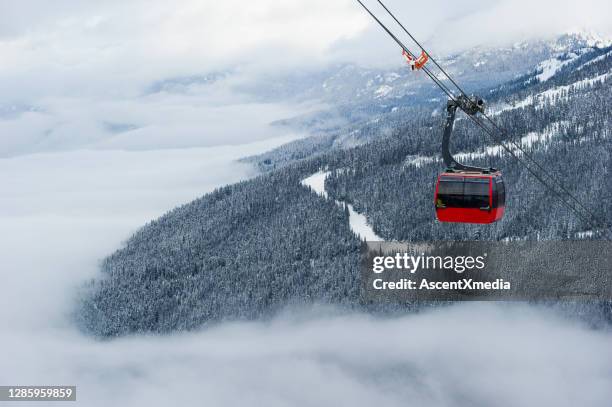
76 74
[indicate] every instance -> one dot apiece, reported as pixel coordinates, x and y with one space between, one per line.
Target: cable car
466 194
470 197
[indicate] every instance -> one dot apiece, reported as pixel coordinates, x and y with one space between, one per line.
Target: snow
550 67
592 38
585 234
560 91
316 182
360 226
357 222
489 151
595 60
550 95
418 160
391 77
526 142
383 91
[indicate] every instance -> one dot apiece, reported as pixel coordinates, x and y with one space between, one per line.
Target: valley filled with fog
61 213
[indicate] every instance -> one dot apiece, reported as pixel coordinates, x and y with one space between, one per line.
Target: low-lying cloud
70 68
61 213
479 354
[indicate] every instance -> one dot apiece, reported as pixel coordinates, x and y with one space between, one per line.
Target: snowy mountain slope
355 94
356 124
475 68
250 249
565 124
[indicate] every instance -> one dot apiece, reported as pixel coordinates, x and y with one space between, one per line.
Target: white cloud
81 65
140 41
512 20
143 123
115 48
61 213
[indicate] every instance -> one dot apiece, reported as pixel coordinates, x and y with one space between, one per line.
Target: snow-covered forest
250 249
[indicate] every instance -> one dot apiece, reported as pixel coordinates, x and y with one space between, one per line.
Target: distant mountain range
477 68
359 97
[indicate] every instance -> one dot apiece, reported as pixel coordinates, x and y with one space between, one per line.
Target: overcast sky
89 56
205 34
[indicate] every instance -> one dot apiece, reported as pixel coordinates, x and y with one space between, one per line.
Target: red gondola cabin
470 197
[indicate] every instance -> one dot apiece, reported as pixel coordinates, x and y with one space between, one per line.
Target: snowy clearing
358 222
551 66
551 95
382 91
419 160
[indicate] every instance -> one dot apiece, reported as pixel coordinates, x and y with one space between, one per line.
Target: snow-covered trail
358 222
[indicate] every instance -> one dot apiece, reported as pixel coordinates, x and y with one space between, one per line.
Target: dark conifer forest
247 250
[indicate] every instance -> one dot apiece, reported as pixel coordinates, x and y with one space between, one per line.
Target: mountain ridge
250 249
